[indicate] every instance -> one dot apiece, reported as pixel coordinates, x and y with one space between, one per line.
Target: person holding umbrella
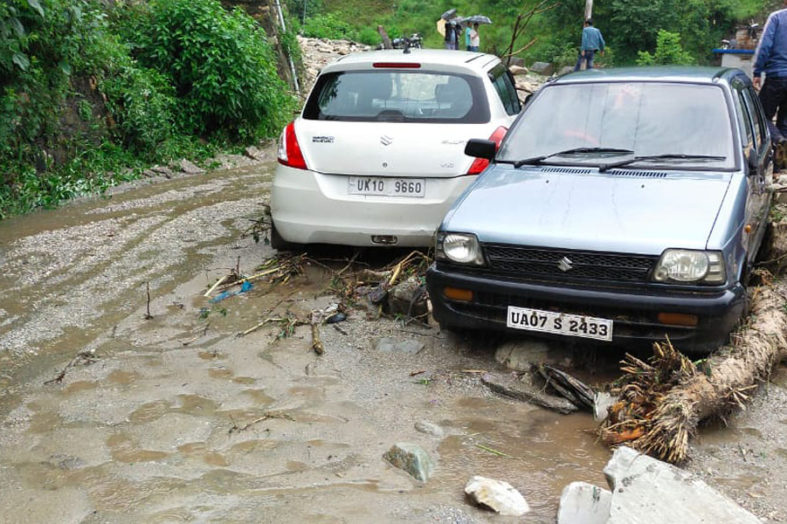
475 39
451 35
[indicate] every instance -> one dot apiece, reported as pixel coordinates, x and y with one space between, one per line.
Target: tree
668 51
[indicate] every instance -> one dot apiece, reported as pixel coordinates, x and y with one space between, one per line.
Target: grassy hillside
629 26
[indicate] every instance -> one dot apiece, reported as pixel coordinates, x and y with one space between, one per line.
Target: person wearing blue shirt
592 42
771 59
467 38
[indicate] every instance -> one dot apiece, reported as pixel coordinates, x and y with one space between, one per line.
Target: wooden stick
148 316
316 342
214 286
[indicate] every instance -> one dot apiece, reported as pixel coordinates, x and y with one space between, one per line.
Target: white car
376 157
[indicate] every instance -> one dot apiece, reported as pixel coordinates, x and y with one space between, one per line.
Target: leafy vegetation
91 93
668 51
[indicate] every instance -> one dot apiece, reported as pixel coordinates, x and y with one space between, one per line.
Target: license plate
559 323
396 187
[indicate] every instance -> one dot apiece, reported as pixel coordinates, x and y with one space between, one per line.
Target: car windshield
398 96
688 122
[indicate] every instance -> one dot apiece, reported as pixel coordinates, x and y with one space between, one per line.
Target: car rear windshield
648 118
398 96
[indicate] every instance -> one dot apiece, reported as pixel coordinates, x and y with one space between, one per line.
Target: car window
399 96
505 89
744 121
649 118
751 108
759 114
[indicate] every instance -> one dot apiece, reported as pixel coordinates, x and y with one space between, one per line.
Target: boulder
412 459
391 345
583 503
408 298
517 70
255 153
542 68
189 167
497 495
163 171
429 428
647 490
521 354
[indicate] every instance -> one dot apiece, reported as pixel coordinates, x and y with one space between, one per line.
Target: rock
521 354
647 490
516 61
412 459
255 153
583 503
390 345
566 70
430 429
509 385
517 70
497 495
542 68
601 404
189 167
163 171
408 298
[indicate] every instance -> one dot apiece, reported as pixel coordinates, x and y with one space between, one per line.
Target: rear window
398 96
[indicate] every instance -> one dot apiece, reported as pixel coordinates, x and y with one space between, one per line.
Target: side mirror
481 148
753 162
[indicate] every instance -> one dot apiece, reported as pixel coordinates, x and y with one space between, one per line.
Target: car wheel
279 244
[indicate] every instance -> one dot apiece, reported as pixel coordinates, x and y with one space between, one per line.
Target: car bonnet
624 211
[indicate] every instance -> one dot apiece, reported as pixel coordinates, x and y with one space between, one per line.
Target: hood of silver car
625 211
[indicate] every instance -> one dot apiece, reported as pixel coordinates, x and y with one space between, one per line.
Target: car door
757 151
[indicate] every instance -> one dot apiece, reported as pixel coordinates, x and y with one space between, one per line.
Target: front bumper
634 313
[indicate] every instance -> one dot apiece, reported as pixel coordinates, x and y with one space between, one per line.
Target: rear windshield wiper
667 156
534 161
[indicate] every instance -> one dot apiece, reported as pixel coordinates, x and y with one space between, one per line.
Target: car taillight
481 163
289 151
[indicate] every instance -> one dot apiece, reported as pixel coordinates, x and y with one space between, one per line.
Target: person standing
475 39
450 35
592 42
771 59
467 37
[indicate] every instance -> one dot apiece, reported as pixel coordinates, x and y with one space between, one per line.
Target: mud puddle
178 418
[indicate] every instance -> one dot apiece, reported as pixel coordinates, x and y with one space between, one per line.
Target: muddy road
176 418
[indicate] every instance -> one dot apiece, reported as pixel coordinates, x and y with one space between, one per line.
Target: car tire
279 244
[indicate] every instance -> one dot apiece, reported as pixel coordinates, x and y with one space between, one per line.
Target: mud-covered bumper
635 314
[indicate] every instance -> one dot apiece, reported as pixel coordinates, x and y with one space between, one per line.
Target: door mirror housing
481 148
753 162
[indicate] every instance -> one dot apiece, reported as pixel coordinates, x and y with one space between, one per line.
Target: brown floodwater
178 418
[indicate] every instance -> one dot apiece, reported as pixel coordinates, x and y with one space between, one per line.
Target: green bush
329 26
220 65
369 36
668 51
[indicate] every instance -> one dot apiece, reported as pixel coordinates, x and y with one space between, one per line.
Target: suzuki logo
565 264
386 140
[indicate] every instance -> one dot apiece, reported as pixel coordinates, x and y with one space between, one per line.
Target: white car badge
565 264
386 140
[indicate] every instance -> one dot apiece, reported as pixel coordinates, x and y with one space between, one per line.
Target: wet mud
178 418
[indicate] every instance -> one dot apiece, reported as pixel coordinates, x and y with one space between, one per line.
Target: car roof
433 58
689 74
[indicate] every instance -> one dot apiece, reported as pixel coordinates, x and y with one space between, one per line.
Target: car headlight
461 248
689 266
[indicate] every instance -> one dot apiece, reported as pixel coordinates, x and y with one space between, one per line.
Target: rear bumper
634 314
310 208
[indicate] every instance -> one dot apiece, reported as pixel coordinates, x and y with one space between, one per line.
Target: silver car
623 205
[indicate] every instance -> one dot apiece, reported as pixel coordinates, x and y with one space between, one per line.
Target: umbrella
451 13
476 19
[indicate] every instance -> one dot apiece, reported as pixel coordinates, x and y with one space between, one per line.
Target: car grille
540 264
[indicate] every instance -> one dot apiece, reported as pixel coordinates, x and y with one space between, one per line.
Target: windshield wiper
534 161
667 156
